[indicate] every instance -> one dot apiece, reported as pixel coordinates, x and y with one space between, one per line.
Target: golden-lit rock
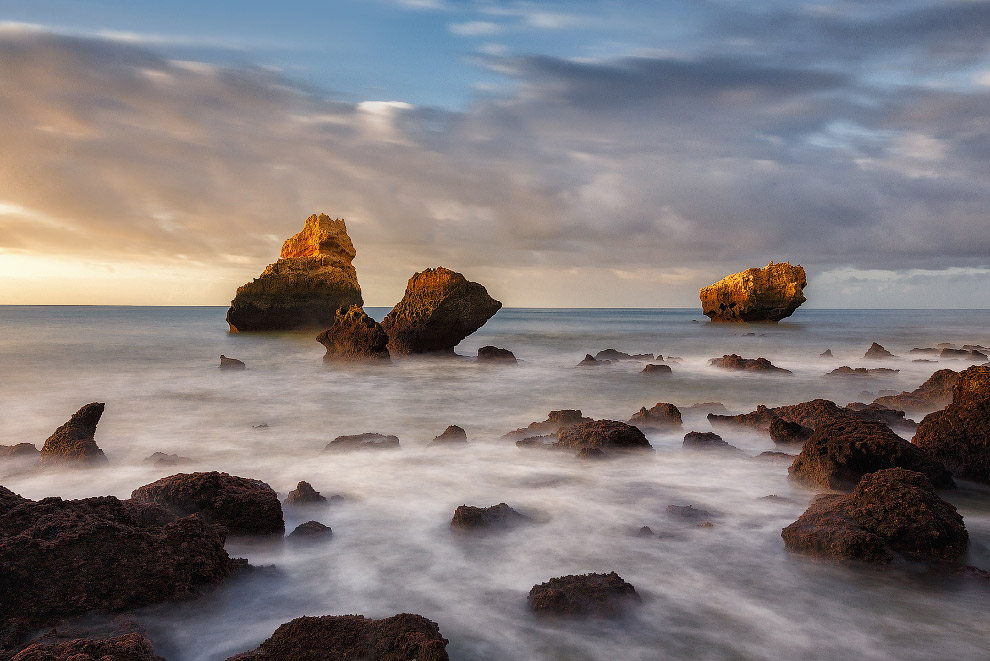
305 287
768 294
353 337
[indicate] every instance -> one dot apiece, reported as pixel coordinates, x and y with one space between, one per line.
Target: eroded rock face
74 443
959 435
585 595
366 441
768 294
736 362
605 434
242 505
659 416
467 517
439 309
933 394
354 337
839 453
313 279
785 432
892 511
402 637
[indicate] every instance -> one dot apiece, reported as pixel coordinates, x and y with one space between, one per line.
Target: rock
475 518
758 419
555 420
18 450
591 453
452 435
231 363
839 453
304 289
354 337
310 531
929 350
785 432
892 511
607 435
585 595
63 558
304 494
591 361
73 444
402 637
959 435
717 408
768 294
645 531
877 352
612 354
543 442
490 354
827 353
656 369
736 362
243 506
776 457
367 441
845 370
973 355
439 309
933 394
811 414
660 416
674 359
161 459
687 512
129 647
695 440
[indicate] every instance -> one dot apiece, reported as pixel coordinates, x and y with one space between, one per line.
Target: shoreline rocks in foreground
756 295
74 443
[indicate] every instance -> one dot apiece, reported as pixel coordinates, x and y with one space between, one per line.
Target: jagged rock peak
768 294
322 235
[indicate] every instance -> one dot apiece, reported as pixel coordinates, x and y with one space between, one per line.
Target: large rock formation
354 337
595 595
959 435
933 394
305 287
440 308
767 294
74 444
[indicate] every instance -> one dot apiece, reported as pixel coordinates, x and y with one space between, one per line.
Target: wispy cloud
473 28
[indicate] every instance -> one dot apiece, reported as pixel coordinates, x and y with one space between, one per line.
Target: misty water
724 592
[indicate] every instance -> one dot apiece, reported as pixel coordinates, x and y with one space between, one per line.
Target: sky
590 153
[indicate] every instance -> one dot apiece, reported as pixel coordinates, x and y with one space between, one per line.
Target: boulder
877 352
74 443
402 637
656 369
607 435
959 435
736 362
768 294
591 361
312 279
354 337
310 531
490 354
452 435
839 453
660 416
555 420
18 450
231 363
476 518
613 354
696 440
128 647
933 394
304 494
890 512
242 505
439 309
585 595
785 432
366 441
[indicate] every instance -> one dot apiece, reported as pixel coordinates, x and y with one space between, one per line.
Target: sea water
730 591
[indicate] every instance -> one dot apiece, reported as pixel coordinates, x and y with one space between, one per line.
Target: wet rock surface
360 442
653 368
584 595
811 414
128 647
491 354
607 435
354 337
785 432
74 443
662 415
935 393
768 294
555 420
498 516
707 441
738 363
452 435
305 494
310 531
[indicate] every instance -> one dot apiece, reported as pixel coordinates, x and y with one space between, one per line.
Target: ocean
730 591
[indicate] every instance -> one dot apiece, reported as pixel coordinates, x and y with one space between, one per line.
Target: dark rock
354 337
594 595
19 450
645 531
490 354
402 637
923 360
695 440
591 453
161 459
827 353
776 457
304 494
452 435
738 363
311 531
689 512
607 435
845 370
839 453
656 369
817 412
231 363
612 354
555 420
304 289
877 352
660 416
890 511
366 441
959 435
496 516
10 500
243 506
439 309
717 408
929 350
74 444
543 442
590 361
768 294
129 647
674 359
758 419
964 354
784 432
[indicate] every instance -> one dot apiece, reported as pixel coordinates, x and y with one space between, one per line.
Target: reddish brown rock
243 506
310 531
758 419
661 416
768 294
877 352
360 442
613 354
304 494
845 370
695 440
402 637
776 457
591 453
591 361
231 363
304 289
74 443
585 595
959 435
811 414
452 435
738 363
467 517
933 394
608 435
785 432
354 337
490 354
892 511
19 450
966 354
439 309
656 369
129 647
839 453
555 420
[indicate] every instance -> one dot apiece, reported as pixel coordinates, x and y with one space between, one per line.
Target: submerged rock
933 394
785 432
845 370
607 435
736 362
452 435
758 419
354 337
439 309
467 517
591 361
366 441
74 443
768 294
811 414
310 531
967 354
555 420
613 354
231 363
490 354
660 416
19 450
402 637
242 505
826 354
689 512
162 459
313 279
304 494
877 352
656 369
587 595
695 440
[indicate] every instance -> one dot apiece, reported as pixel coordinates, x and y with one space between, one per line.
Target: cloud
473 28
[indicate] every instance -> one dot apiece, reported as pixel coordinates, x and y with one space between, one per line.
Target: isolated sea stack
768 294
440 308
305 287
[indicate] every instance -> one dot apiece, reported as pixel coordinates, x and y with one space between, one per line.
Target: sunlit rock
74 443
354 337
768 294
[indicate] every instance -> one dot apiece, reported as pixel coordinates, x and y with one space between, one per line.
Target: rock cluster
614 354
811 414
659 416
354 336
587 595
19 450
736 362
845 370
74 443
653 368
768 294
128 647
